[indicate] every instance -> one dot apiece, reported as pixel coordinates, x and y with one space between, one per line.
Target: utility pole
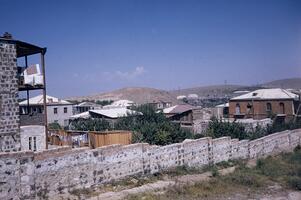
299 107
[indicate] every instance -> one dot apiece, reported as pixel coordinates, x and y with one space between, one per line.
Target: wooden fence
93 139
98 139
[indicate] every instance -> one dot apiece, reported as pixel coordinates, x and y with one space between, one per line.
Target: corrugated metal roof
38 100
23 48
114 112
222 105
276 93
83 115
178 109
86 103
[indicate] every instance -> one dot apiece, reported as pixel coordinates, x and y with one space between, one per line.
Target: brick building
11 83
264 103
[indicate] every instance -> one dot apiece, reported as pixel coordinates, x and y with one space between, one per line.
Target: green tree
152 127
54 126
90 125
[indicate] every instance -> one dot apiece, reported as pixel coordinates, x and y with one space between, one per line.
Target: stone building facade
262 108
9 109
264 103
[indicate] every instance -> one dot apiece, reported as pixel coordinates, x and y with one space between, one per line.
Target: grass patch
182 170
284 169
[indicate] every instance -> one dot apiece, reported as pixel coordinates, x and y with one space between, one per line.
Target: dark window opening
237 108
282 109
34 143
269 107
249 108
29 143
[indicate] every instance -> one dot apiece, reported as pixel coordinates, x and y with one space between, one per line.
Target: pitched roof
87 103
83 115
38 100
114 112
267 94
222 105
120 103
178 109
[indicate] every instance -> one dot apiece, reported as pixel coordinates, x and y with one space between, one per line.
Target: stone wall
43 175
9 109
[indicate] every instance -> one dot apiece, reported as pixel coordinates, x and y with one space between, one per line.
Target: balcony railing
32 119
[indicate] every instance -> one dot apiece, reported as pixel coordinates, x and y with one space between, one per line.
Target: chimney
7 35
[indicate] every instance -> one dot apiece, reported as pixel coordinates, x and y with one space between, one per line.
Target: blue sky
97 46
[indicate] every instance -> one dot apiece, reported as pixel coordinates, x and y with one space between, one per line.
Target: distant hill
219 91
139 95
143 95
291 83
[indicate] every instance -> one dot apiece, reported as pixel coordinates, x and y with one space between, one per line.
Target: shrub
153 127
54 126
90 125
295 183
218 128
214 171
246 177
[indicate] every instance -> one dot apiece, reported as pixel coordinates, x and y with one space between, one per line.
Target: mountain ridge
143 95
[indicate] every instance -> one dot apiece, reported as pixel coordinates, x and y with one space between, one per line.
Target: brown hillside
291 83
139 95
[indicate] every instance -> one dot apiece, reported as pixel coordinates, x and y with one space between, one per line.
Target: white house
123 103
33 138
58 110
85 106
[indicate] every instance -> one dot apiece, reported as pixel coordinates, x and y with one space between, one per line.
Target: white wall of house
59 114
33 138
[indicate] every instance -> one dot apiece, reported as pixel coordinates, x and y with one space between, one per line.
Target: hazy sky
96 46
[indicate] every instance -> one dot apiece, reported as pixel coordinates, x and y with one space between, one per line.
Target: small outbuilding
99 139
33 138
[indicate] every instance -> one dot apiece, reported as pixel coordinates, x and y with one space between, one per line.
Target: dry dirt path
160 185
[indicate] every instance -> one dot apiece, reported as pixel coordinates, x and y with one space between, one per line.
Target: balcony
30 78
32 119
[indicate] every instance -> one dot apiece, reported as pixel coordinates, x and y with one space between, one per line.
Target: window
249 107
66 122
282 110
29 143
237 109
269 107
65 109
34 143
55 110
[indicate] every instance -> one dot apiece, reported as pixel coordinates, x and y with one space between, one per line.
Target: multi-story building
264 103
14 79
85 106
58 110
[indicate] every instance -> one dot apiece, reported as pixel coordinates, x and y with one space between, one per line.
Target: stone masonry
47 174
9 109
